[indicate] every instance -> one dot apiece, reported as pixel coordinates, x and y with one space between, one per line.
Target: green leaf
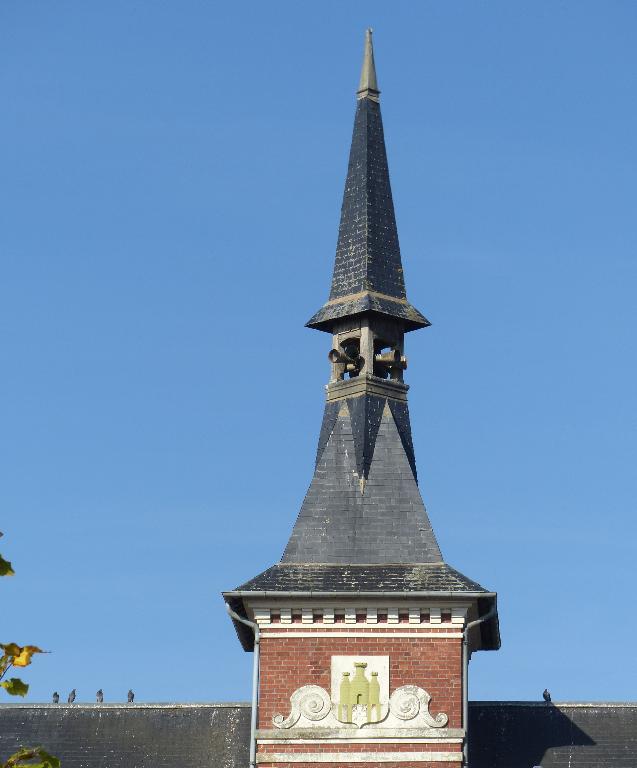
49 760
19 757
5 567
15 687
26 755
11 649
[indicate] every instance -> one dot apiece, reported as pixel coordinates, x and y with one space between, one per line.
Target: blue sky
169 199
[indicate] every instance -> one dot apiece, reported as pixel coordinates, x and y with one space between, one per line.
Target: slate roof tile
368 272
354 578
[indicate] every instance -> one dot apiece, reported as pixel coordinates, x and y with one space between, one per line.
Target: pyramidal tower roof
368 271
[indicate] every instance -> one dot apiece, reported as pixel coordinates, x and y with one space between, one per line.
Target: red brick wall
434 664
363 765
341 746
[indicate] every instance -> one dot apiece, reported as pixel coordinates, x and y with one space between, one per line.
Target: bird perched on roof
99 696
131 696
56 697
71 697
546 695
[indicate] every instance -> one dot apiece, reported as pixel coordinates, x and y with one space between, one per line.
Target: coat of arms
360 688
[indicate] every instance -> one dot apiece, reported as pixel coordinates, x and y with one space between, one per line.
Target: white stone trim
360 757
262 616
334 735
353 633
372 625
426 615
359 741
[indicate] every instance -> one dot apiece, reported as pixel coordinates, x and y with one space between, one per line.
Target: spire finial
368 86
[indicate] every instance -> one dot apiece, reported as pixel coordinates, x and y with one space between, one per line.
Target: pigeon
99 696
56 697
131 696
71 697
546 695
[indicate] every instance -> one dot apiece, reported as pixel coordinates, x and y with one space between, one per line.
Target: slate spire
363 505
363 530
368 271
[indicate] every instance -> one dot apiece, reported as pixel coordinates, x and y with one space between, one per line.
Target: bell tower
364 631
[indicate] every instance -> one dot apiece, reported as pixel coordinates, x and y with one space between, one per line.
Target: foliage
26 757
14 655
15 687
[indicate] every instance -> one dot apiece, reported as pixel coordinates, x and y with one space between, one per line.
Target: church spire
368 271
363 505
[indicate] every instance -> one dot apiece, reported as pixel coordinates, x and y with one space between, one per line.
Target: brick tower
363 632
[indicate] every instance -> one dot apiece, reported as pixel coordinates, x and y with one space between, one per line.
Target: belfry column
362 621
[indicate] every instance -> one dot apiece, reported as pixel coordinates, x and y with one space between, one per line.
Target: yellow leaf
23 658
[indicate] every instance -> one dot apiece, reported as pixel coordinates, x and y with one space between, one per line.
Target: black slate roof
502 734
506 734
363 504
368 272
355 579
380 305
131 736
438 580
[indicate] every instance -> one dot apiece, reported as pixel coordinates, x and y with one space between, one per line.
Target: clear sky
170 186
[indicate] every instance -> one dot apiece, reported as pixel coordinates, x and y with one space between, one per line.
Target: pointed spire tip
368 86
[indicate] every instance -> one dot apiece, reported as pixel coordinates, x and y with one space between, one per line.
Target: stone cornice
366 385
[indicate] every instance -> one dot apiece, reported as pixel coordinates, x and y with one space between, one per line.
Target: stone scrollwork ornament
310 702
411 702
